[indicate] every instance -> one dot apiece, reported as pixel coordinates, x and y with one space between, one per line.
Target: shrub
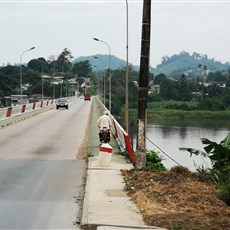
223 192
153 161
219 154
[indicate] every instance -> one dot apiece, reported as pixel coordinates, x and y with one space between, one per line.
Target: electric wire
163 151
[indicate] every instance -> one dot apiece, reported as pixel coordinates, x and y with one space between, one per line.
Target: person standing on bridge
104 122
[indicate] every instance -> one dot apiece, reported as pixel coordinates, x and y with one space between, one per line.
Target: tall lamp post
103 83
127 73
98 40
42 82
21 71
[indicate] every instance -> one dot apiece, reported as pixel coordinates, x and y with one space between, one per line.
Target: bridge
12 114
45 181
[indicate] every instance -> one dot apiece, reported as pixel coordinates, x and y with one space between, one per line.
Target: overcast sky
51 26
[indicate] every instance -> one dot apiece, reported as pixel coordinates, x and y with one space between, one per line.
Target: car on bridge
87 97
62 103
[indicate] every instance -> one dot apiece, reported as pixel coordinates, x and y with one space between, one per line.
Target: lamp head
96 39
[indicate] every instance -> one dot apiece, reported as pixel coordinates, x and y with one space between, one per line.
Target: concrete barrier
105 155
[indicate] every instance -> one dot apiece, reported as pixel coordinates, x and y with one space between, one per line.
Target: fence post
34 105
129 148
9 111
23 108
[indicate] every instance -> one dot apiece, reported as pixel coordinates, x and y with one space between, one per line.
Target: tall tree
40 65
82 68
63 61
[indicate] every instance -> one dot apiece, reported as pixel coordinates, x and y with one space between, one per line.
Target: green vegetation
153 161
170 96
194 64
72 76
219 154
177 226
185 115
163 111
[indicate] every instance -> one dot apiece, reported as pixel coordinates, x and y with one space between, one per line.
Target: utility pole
127 72
143 85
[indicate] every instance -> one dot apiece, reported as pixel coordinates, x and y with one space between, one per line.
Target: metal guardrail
122 138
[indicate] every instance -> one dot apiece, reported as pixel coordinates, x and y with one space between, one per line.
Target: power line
162 151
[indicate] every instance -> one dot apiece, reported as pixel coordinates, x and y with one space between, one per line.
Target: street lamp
21 71
98 40
44 77
42 81
127 74
103 83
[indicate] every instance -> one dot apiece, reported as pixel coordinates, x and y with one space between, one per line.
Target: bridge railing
11 114
12 111
17 113
121 136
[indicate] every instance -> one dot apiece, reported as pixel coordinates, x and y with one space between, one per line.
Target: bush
211 104
223 192
219 154
153 161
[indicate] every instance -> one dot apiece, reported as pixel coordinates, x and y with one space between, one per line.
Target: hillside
188 64
100 62
176 65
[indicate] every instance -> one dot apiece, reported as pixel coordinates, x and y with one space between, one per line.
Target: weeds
219 154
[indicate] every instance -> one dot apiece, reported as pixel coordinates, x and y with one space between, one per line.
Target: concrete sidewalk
106 205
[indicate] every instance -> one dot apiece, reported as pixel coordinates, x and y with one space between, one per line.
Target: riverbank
188 115
177 199
173 114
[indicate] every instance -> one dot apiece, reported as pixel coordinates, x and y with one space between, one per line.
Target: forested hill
100 62
188 64
176 65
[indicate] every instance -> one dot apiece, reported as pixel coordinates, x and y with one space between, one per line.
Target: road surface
41 180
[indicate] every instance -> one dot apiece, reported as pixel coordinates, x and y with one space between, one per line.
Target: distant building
38 97
19 99
5 101
154 88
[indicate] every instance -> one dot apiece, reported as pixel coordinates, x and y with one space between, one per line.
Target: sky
52 26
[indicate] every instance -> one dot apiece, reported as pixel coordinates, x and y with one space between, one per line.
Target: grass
170 114
194 114
161 105
160 110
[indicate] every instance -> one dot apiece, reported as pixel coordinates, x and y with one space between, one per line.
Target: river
169 137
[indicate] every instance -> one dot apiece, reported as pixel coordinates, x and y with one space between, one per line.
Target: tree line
214 94
33 72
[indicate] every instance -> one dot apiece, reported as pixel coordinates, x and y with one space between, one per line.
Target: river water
167 138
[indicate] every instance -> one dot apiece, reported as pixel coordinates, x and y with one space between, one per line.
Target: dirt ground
177 199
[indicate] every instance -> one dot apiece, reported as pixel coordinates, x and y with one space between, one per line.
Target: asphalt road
41 181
